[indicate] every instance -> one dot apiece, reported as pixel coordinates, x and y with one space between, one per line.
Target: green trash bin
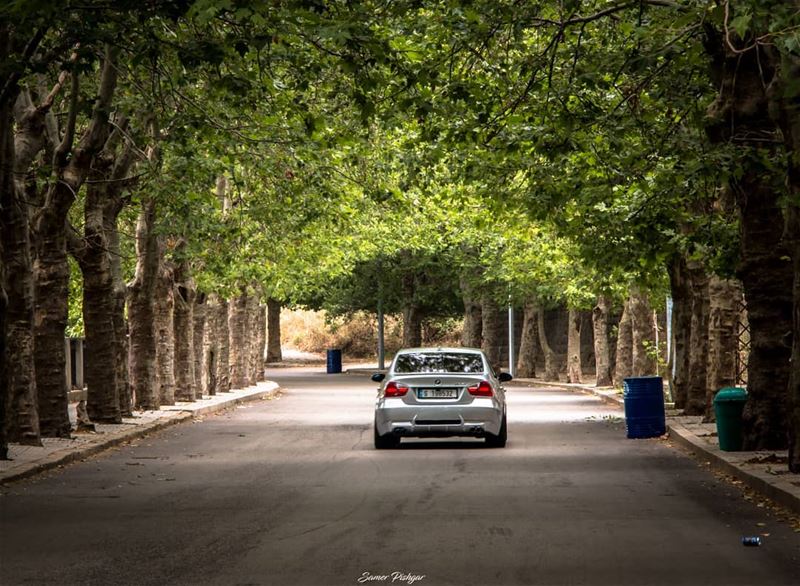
728 406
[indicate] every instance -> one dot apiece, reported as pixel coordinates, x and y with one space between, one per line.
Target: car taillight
482 389
394 390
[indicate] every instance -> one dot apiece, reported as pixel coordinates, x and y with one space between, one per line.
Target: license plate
437 393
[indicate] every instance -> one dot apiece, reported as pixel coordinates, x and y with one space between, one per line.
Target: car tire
385 442
499 440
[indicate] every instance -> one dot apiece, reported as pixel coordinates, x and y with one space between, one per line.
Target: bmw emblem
437 381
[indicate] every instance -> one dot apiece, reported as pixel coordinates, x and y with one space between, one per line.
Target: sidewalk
765 472
30 460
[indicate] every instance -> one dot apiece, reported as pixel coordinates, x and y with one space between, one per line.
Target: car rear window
423 362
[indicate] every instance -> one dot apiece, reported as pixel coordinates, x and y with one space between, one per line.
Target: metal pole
511 369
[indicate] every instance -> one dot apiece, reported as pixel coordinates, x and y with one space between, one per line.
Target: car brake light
482 389
394 390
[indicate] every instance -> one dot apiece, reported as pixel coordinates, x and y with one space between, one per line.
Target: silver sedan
440 392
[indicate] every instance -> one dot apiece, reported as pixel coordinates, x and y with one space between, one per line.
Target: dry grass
357 335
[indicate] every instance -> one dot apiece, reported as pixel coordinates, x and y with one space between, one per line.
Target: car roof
441 349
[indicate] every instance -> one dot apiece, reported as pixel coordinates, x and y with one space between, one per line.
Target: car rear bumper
439 421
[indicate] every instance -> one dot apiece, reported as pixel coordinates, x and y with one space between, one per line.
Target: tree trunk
223 373
723 318
143 313
253 352
211 345
165 339
602 351
473 321
492 329
767 278
550 364
183 321
741 115
698 340
643 334
793 228
3 381
623 366
528 346
21 421
51 269
681 330
274 330
261 341
574 374
200 324
412 327
237 322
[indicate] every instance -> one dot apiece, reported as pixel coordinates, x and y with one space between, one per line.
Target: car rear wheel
499 440
385 442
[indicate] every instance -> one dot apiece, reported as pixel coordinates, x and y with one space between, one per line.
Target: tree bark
473 320
681 330
252 340
274 353
698 340
574 374
602 350
643 333
492 329
21 420
143 314
412 316
623 367
183 322
165 338
50 267
741 115
261 341
211 345
528 346
550 363
3 381
200 324
237 322
723 345
223 372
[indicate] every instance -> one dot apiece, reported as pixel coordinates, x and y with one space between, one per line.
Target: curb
780 491
176 414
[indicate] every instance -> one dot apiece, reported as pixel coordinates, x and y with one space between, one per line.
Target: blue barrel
644 407
334 361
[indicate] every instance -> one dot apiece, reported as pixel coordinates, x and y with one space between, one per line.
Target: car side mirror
378 377
504 377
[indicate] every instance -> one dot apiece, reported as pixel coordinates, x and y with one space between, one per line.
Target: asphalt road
291 492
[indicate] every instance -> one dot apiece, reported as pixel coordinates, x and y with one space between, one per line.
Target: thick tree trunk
237 322
767 278
623 367
21 420
274 331
681 330
741 115
793 227
211 345
550 363
261 341
3 381
200 314
183 322
698 340
50 268
529 344
143 314
252 340
643 335
602 350
223 372
412 327
473 321
574 374
492 329
723 321
165 338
